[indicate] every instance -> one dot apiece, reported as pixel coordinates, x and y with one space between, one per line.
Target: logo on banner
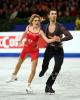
10 42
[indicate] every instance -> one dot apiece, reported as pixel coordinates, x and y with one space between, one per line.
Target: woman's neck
35 27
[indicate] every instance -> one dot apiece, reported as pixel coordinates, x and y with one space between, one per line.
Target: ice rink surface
67 84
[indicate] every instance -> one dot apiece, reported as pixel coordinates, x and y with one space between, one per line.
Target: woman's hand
19 42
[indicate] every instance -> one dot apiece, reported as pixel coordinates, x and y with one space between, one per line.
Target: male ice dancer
54 49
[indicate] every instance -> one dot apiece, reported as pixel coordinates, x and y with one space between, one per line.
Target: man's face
53 16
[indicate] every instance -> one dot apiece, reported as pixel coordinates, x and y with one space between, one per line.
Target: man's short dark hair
52 9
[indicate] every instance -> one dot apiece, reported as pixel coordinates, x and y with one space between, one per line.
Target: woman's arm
24 34
55 38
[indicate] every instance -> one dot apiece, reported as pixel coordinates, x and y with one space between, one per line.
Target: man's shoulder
44 27
59 24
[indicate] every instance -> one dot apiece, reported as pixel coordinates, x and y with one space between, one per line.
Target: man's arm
67 34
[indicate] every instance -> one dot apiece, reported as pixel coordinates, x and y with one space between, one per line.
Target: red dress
31 46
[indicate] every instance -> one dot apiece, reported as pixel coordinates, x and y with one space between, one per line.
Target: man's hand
56 38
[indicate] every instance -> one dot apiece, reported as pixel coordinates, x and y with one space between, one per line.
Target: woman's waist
31 48
31 45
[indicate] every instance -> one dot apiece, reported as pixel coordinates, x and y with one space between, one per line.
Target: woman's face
36 21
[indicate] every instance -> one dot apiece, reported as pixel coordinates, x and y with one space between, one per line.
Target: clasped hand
56 38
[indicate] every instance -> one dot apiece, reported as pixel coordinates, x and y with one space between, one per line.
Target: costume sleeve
67 34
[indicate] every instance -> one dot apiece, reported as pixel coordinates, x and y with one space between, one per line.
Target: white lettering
11 42
4 42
